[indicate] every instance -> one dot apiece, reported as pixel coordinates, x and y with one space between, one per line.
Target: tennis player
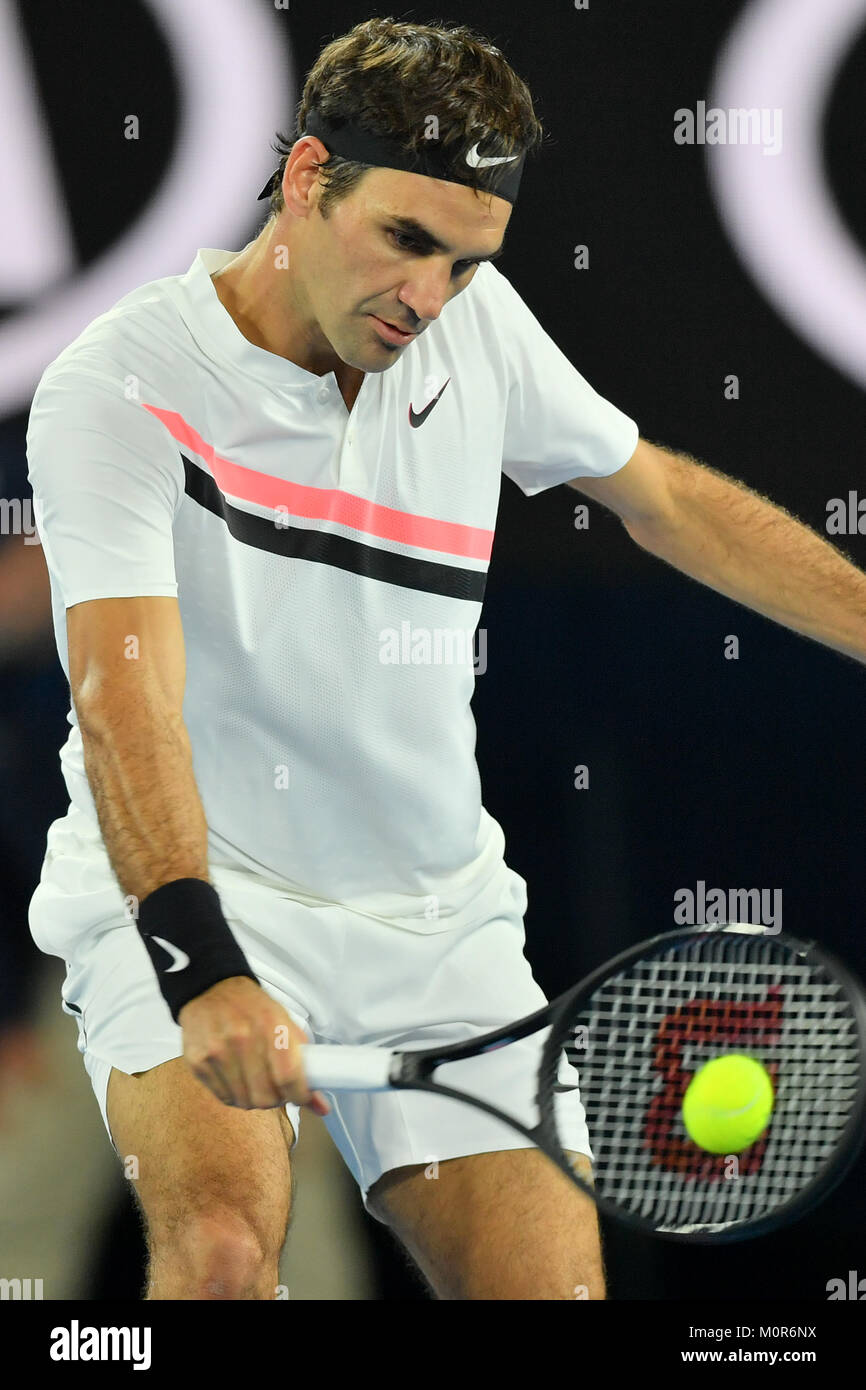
266 491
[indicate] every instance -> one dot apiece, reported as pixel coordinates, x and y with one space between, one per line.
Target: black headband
351 141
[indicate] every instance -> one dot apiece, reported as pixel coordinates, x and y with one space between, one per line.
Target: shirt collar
215 323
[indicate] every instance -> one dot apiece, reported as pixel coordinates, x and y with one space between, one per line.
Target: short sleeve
557 427
107 480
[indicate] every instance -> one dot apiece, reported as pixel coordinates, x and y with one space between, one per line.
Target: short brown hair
390 77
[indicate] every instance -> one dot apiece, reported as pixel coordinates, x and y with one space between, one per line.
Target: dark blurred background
744 773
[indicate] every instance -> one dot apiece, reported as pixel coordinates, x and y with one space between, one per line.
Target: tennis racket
637 1029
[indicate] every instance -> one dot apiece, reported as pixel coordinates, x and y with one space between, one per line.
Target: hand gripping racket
637 1029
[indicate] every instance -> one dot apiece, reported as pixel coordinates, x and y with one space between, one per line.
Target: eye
401 238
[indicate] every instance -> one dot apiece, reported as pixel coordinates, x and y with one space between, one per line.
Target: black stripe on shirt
325 548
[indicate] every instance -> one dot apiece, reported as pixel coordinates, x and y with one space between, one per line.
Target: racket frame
413 1070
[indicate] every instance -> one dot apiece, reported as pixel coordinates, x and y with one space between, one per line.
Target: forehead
453 212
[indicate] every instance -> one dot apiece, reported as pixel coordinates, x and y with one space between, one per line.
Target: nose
427 293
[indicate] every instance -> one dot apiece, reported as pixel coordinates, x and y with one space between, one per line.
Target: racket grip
330 1067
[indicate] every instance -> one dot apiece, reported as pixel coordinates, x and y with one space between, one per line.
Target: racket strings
647 1030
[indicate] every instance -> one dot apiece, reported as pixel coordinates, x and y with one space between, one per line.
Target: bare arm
721 533
127 671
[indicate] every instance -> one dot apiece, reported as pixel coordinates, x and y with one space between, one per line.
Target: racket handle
331 1067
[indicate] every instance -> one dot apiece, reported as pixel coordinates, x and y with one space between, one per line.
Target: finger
212 1078
264 1091
286 1070
285 1065
231 1072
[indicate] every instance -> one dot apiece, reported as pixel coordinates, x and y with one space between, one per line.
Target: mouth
393 332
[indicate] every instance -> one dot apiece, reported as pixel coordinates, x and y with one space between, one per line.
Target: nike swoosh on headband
416 420
474 160
180 959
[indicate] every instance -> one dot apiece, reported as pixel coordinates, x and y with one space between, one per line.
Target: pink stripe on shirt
329 504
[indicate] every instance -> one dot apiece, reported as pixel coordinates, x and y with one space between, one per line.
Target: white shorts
342 976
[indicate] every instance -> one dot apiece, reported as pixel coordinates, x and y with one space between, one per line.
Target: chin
368 360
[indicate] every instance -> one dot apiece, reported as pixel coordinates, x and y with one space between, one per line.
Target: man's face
360 265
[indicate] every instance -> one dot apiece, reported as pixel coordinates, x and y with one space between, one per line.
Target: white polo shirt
329 567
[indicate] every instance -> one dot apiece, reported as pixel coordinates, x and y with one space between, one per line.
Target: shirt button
324 394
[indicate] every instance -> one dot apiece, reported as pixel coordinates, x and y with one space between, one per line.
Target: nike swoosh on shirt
474 160
180 959
418 419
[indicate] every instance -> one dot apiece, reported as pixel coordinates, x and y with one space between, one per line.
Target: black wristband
189 941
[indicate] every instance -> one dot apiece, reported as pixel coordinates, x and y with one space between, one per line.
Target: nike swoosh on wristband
474 160
179 958
418 419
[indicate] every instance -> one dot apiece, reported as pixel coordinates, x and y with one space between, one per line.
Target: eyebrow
425 237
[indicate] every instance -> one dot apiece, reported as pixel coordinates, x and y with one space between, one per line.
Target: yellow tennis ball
728 1104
